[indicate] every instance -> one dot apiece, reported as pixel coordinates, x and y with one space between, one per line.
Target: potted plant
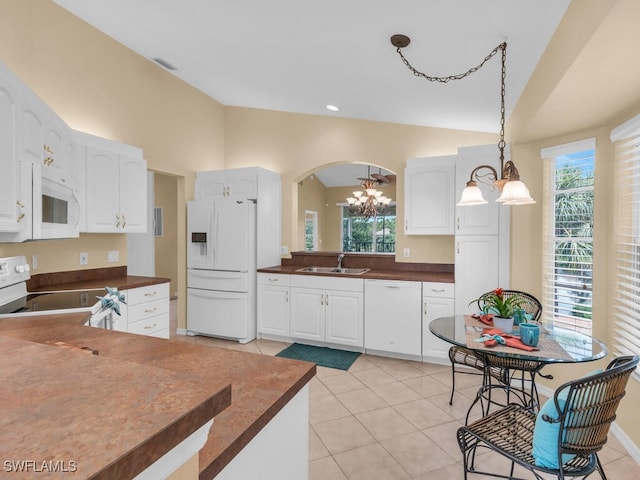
502 307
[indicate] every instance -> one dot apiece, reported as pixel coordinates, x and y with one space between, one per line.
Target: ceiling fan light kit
370 202
513 190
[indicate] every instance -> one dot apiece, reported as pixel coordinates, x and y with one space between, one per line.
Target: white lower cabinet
393 317
273 304
147 311
327 309
437 301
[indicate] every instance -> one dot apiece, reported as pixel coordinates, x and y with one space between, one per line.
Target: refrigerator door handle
211 244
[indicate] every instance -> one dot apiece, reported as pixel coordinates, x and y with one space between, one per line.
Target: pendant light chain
502 144
447 79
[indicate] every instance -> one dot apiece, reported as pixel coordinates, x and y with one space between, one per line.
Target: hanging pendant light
513 190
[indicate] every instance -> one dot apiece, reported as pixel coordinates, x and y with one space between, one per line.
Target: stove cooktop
40 303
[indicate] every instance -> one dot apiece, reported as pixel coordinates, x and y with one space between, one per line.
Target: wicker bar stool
581 411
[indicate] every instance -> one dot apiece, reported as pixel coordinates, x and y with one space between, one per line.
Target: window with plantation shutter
568 234
626 276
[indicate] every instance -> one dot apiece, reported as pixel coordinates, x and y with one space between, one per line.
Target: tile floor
388 419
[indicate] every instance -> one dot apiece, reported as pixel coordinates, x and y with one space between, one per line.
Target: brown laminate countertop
124 282
446 277
119 411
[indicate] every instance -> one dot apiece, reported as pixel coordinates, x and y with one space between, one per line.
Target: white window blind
568 234
626 278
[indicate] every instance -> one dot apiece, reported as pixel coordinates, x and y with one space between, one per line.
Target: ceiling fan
379 178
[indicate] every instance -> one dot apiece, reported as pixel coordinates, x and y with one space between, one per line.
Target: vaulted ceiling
299 56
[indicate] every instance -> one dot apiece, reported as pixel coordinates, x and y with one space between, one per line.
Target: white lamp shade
357 194
515 193
471 196
351 200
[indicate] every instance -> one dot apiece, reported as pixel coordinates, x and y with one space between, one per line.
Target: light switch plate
84 258
406 252
113 256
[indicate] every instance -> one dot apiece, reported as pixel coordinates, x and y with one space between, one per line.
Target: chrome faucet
340 257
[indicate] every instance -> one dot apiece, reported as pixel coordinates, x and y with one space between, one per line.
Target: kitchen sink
346 271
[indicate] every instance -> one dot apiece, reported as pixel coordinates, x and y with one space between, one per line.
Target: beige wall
98 86
296 145
166 197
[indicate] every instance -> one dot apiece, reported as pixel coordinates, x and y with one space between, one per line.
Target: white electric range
15 300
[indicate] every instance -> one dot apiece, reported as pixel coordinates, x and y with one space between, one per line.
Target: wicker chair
499 368
583 416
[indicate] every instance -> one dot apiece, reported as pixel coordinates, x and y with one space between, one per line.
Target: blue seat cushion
545 434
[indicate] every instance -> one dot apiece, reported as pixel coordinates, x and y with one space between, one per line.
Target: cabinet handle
425 308
124 221
148 327
392 286
457 247
47 149
117 221
406 225
458 223
286 296
151 294
322 299
150 310
437 290
273 279
326 299
22 213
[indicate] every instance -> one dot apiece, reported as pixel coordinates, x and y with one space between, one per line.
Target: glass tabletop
579 346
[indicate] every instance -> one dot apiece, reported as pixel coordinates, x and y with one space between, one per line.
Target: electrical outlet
34 262
113 256
284 250
84 258
406 252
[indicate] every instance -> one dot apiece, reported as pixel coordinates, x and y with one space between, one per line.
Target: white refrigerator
221 268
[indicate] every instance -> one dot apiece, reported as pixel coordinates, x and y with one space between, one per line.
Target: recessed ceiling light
333 108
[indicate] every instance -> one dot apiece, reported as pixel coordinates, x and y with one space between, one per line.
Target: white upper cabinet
238 184
429 196
46 140
116 187
10 210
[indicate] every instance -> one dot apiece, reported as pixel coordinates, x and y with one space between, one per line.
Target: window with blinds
626 301
568 234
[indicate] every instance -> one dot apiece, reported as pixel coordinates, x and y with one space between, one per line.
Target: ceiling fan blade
380 178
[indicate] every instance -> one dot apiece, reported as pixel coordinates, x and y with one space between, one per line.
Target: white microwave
46 208
56 208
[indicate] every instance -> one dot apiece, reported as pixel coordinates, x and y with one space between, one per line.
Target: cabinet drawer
273 279
147 310
438 289
150 326
136 296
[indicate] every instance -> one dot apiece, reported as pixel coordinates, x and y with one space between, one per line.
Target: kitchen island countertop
119 411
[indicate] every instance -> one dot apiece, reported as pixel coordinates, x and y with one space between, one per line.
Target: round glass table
557 345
